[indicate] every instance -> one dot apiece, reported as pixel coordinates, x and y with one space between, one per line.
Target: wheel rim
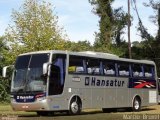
74 107
136 104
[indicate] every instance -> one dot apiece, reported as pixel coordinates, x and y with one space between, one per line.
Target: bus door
57 74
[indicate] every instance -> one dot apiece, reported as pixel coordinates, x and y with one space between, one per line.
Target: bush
4 90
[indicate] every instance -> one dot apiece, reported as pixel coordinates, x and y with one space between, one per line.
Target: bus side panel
145 94
75 85
59 102
149 97
110 98
122 97
97 97
86 96
122 94
145 97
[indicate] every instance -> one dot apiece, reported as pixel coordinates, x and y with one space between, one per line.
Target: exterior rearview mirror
45 67
4 71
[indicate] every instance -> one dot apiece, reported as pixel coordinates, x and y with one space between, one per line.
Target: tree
79 46
150 46
111 25
4 84
2 48
120 22
103 9
35 28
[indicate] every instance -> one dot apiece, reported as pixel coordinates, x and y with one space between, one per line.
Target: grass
96 114
5 109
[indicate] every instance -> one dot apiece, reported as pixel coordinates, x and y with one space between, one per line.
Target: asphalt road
148 113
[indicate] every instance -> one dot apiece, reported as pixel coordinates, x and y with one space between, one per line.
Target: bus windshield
28 74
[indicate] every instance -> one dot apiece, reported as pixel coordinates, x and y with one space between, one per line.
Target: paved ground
148 113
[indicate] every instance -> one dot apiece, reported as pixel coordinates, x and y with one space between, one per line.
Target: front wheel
136 105
75 107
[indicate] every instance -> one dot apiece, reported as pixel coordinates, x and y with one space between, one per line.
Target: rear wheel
136 104
75 107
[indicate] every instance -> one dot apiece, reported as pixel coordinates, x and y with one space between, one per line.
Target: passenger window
93 66
123 69
148 71
76 64
137 70
109 68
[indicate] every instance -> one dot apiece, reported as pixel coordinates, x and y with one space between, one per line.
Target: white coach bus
49 81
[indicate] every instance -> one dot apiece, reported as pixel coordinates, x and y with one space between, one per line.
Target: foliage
1 56
103 9
150 46
79 46
119 23
4 84
112 23
4 88
35 28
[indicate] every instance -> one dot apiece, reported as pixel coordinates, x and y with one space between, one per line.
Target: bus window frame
123 63
83 62
88 59
152 70
104 62
142 70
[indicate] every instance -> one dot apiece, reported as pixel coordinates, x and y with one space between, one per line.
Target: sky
76 17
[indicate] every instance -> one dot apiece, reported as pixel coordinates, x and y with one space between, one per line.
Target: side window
109 68
76 64
137 70
123 69
148 71
93 67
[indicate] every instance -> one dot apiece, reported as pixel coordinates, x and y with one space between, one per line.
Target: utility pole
129 25
158 37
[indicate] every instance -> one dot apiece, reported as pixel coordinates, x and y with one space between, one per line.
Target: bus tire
136 104
75 106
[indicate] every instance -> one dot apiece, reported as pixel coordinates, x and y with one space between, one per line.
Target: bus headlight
41 99
13 100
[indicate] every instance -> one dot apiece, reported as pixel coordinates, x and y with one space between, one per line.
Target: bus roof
92 54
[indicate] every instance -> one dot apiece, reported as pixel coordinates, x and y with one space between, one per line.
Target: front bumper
33 106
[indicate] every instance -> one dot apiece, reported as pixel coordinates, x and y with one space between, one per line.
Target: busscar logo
24 97
92 81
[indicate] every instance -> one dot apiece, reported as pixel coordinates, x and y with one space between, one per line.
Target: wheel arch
138 97
77 97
